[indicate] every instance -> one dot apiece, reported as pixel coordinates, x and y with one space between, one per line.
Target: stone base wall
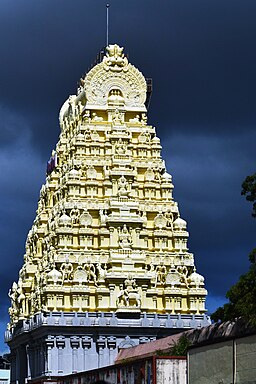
230 361
58 343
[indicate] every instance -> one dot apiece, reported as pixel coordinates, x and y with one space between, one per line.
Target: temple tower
106 264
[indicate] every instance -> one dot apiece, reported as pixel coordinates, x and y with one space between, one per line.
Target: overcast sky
202 58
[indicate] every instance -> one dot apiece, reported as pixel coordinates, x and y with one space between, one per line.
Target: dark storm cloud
22 172
203 49
202 59
208 172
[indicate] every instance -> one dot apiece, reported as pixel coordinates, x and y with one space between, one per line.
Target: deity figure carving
149 175
160 221
94 135
106 171
121 300
130 284
51 254
174 276
161 274
87 134
169 218
150 268
103 217
117 118
135 119
101 271
183 271
80 275
125 238
95 117
86 116
91 172
144 138
66 269
120 147
54 276
122 186
129 296
85 219
144 119
74 214
13 295
115 59
91 273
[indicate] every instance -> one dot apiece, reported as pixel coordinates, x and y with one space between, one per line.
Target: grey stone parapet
107 319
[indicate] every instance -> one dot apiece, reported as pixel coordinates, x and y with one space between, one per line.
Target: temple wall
231 361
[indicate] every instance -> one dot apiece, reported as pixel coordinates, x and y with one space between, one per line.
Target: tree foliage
180 348
242 295
249 190
242 299
177 349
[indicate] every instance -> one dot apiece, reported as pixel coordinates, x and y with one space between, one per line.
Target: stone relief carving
120 147
74 214
85 219
160 221
125 238
103 217
144 138
149 175
123 187
161 272
80 275
66 269
91 172
115 69
117 117
128 295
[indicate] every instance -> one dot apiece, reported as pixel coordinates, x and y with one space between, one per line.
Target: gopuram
106 263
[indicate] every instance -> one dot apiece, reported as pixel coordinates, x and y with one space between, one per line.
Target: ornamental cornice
114 74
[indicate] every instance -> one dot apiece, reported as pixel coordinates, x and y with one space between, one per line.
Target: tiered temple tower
106 264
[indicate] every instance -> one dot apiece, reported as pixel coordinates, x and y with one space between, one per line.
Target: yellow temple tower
107 264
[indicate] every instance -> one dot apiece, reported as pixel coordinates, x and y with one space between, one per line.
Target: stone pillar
36 359
86 344
13 366
144 288
137 242
44 359
111 342
49 344
101 343
29 354
111 238
41 358
112 303
167 302
74 341
60 343
154 298
17 365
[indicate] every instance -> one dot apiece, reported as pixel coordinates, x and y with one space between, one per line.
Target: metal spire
107 7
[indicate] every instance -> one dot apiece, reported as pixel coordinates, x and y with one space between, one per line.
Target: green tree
242 295
181 347
249 190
